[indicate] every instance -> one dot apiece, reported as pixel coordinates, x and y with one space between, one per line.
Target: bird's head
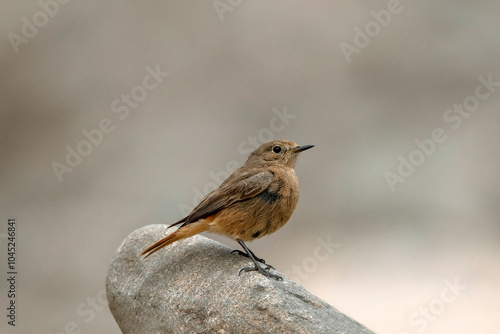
282 152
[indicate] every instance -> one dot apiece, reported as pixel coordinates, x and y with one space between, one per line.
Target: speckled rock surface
193 286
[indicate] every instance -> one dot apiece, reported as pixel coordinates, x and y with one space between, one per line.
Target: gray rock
193 286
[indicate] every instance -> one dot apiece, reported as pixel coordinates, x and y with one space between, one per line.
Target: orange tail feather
182 233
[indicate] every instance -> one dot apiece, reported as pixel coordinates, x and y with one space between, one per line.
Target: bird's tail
183 232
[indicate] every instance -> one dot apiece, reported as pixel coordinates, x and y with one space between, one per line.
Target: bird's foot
263 271
256 258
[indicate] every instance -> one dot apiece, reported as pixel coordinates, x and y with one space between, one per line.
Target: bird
257 199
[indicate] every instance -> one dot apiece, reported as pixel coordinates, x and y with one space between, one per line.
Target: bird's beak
302 148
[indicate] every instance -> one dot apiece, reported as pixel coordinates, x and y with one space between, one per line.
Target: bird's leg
255 257
257 267
268 266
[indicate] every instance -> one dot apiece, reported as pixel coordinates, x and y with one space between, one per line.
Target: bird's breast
276 204
262 214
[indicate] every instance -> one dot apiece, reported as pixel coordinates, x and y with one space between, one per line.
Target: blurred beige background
397 251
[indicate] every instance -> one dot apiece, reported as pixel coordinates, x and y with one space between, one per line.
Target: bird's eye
276 149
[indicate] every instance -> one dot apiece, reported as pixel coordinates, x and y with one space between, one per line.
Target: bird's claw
256 258
263 271
239 252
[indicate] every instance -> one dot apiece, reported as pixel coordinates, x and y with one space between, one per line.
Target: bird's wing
241 188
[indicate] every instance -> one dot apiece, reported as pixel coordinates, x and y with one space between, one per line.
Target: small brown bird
256 200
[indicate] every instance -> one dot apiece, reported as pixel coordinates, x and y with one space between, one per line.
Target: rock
193 286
